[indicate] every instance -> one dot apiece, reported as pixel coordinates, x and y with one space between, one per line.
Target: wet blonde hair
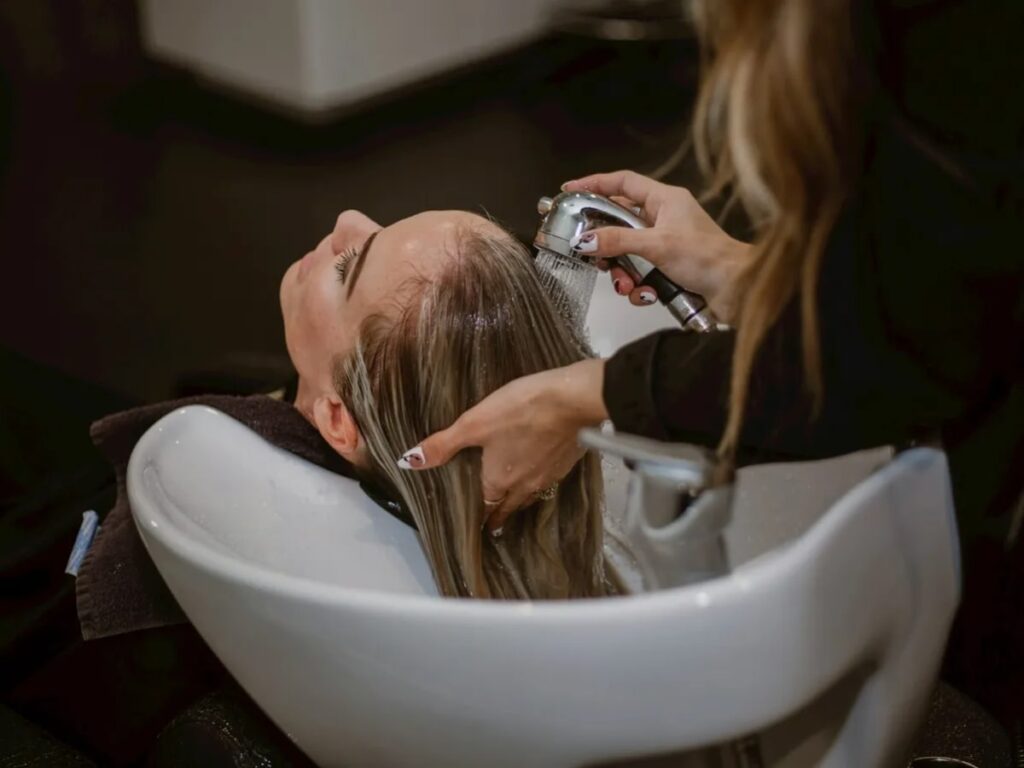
776 124
482 322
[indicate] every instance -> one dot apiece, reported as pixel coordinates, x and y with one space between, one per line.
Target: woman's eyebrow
357 264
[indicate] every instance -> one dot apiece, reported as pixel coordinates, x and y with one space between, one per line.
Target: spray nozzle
568 214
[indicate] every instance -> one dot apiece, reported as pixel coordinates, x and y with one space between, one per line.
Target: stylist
880 161
877 148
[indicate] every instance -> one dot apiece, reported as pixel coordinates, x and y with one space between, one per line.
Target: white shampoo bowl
825 640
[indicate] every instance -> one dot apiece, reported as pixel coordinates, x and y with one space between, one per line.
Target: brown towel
119 589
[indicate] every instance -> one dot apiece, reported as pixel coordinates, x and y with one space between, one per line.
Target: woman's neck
304 399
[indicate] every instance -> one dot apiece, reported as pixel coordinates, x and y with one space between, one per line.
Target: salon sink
824 641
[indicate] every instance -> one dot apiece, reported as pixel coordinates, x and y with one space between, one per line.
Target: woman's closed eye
341 263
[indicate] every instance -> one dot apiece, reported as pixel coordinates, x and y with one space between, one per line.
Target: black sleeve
671 385
919 312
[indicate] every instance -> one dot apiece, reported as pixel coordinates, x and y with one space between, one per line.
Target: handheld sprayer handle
571 212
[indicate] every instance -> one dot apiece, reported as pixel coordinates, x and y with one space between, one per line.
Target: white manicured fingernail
648 297
584 242
412 459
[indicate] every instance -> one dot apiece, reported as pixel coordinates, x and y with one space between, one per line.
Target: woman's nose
351 225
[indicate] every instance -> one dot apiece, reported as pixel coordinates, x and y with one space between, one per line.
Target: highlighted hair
482 322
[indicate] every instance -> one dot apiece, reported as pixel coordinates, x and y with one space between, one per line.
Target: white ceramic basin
825 640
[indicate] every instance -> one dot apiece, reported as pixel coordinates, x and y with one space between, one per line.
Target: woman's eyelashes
341 263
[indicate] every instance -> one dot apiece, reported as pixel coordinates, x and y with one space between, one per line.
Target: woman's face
358 270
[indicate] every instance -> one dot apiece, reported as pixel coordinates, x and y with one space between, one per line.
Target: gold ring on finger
547 494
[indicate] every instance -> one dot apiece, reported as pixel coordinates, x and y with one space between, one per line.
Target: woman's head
357 270
452 311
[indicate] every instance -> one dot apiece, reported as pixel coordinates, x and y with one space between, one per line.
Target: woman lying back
396 331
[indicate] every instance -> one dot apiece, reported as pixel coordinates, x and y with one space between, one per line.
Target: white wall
315 55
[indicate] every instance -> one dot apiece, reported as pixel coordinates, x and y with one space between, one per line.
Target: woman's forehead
438 229
422 244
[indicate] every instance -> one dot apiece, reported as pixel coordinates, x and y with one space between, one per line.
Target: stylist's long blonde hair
776 123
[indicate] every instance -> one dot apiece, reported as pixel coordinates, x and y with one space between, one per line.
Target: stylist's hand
683 241
527 430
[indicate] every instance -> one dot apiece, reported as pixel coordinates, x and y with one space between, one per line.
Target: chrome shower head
570 213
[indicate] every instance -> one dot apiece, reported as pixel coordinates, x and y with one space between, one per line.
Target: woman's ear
339 428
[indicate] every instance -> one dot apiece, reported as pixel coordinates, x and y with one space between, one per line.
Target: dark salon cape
920 294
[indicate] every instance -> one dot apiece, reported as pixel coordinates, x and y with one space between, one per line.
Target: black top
920 295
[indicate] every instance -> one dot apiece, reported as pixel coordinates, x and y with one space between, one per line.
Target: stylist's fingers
440 447
644 190
643 296
639 296
621 282
514 500
494 496
628 204
609 242
498 483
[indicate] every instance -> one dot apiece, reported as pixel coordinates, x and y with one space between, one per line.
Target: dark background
146 219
